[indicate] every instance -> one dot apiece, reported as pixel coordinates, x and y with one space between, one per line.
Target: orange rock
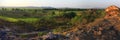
111 8
100 29
112 11
97 33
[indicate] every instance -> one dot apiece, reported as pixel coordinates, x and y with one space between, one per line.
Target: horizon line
56 7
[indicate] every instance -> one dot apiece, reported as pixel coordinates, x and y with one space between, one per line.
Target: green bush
69 15
41 33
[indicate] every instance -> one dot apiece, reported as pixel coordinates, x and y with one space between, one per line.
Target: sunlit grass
10 19
28 20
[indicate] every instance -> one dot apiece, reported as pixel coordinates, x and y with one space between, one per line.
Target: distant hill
33 7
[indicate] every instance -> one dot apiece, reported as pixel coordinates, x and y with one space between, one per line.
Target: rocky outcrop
104 30
112 11
107 28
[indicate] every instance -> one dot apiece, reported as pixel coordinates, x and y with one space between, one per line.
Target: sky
60 3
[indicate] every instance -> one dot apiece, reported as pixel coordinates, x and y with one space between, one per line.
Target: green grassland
49 19
10 19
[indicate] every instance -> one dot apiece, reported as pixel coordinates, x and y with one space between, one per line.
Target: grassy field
57 20
10 19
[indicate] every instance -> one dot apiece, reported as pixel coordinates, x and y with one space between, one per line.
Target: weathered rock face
112 11
104 30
